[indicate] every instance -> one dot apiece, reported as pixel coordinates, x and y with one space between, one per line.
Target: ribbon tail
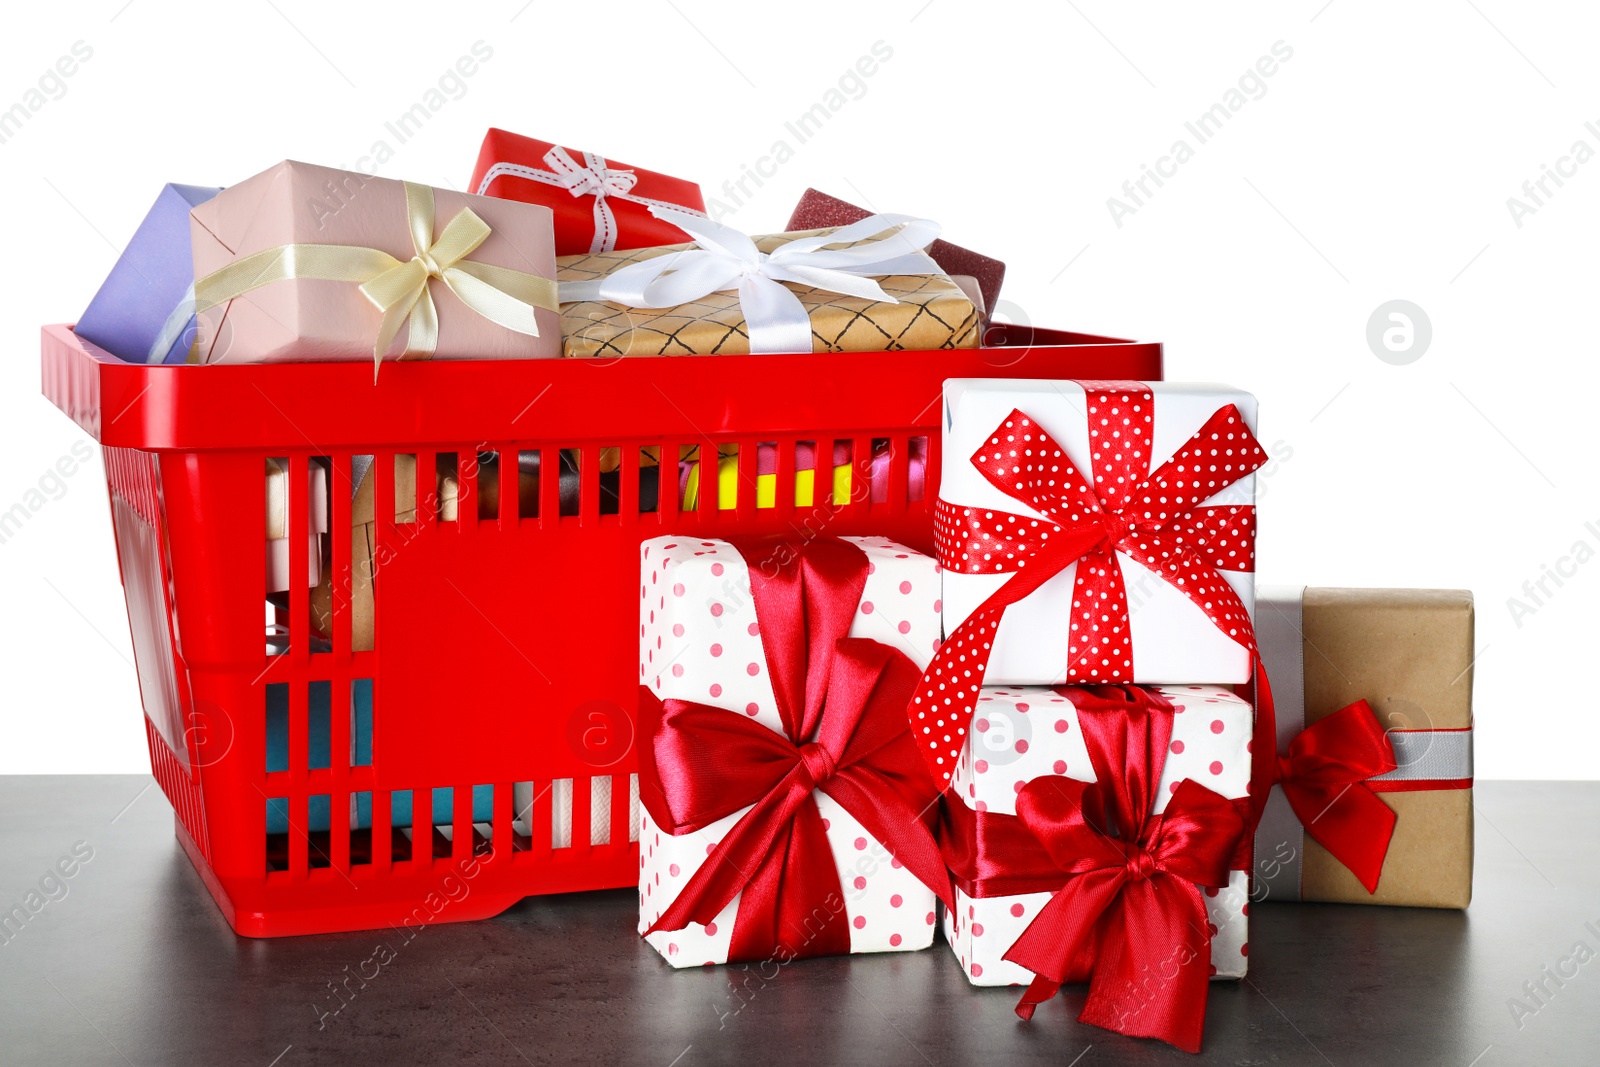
1039 990
505 297
738 857
1354 825
394 316
423 339
774 317
948 692
794 906
1152 977
605 227
1066 925
1062 933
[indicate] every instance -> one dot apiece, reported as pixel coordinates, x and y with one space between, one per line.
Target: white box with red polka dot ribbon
1173 641
700 640
1022 733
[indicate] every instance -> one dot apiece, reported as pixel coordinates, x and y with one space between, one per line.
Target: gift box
1373 690
865 287
817 210
144 311
277 524
1044 777
786 809
598 204
1094 533
309 263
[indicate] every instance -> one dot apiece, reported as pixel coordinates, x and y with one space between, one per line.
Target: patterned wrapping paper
1021 733
932 313
699 640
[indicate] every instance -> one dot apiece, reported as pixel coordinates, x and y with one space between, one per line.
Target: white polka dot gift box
1091 533
1151 747
787 811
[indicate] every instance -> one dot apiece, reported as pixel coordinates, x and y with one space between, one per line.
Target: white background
1376 166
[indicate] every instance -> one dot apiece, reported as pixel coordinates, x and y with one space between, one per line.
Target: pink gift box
312 320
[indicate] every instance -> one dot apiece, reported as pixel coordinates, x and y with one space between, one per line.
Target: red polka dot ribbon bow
842 702
1128 918
1153 517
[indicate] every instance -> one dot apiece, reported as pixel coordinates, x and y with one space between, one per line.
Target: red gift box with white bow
599 203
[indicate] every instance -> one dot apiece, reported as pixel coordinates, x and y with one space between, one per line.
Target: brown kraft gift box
1408 653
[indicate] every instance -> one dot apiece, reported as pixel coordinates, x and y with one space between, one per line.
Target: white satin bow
727 259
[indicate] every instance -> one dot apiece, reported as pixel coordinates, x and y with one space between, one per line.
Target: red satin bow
1131 916
1154 517
1324 778
701 763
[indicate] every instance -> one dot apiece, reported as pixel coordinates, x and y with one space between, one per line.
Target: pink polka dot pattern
1152 517
990 925
688 652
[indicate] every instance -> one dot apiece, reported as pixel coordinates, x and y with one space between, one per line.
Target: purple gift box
144 312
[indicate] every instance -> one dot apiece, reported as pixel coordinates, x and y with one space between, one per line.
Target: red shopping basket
504 659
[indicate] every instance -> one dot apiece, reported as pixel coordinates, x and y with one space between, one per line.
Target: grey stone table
131 964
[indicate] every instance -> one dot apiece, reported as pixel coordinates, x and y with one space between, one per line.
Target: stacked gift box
1054 741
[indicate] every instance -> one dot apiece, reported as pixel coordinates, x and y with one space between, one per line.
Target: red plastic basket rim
331 407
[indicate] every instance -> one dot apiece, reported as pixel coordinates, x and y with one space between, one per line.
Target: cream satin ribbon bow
400 290
729 260
590 178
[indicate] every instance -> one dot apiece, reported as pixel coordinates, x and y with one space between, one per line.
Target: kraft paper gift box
478 268
1407 654
1100 834
817 210
704 638
277 519
929 310
144 311
599 204
1162 468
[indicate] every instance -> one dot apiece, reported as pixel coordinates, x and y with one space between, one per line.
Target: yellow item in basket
766 486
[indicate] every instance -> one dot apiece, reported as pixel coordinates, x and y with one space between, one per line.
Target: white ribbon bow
591 178
727 259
